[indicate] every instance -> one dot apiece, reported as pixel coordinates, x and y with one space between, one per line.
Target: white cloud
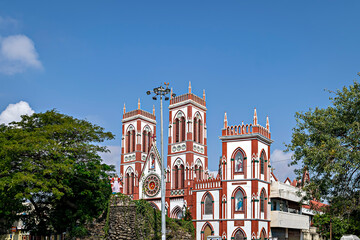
18 53
13 112
112 157
279 161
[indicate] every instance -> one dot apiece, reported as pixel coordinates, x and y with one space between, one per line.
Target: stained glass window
239 201
239 162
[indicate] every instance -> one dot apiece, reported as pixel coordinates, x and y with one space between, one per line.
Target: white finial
255 118
139 103
171 93
267 123
189 87
225 121
204 94
153 109
124 109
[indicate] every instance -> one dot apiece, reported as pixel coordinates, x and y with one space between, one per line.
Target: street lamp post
162 92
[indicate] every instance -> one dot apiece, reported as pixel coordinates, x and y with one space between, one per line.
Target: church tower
187 149
245 173
138 136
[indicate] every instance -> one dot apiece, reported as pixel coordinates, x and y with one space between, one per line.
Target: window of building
239 201
262 201
239 235
176 177
239 162
195 129
262 235
207 231
208 205
262 163
181 176
183 125
177 130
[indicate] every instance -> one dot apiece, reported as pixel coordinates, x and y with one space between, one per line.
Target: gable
152 162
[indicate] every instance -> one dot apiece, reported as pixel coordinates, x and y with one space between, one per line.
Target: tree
326 142
51 175
339 227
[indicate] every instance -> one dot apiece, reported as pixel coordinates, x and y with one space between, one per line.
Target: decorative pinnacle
267 123
255 118
153 109
189 87
171 93
139 103
225 121
124 109
204 94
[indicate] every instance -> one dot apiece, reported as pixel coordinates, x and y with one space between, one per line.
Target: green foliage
106 227
187 215
340 226
326 142
151 218
50 166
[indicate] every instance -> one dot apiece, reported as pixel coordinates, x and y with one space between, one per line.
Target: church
235 204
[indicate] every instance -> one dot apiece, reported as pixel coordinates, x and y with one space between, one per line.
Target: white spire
255 118
225 121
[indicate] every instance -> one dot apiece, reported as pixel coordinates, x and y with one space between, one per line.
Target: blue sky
86 58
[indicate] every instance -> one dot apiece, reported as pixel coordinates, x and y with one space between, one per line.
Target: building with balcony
290 219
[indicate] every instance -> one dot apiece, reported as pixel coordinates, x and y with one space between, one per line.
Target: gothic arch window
179 174
262 201
130 139
208 204
199 131
195 129
144 138
130 180
179 127
146 143
198 169
262 162
238 162
263 234
183 128
207 230
153 205
238 202
177 213
239 234
198 128
177 130
176 177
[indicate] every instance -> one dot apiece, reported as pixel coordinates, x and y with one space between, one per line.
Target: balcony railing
289 220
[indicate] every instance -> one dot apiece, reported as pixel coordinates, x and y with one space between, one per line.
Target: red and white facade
235 204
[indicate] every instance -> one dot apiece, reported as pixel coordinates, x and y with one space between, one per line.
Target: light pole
162 92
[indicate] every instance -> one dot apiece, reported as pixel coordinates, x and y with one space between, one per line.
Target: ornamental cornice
187 102
138 116
247 137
